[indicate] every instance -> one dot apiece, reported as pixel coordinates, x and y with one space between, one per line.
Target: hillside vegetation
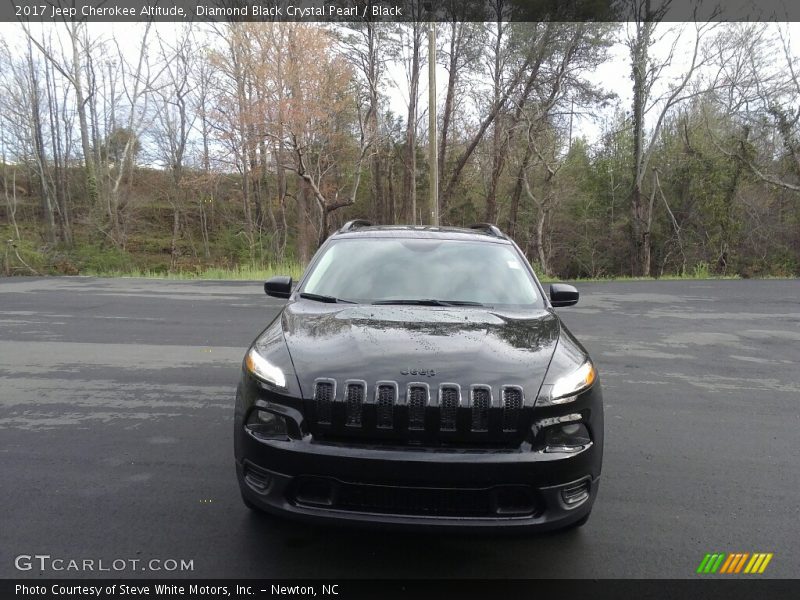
236 150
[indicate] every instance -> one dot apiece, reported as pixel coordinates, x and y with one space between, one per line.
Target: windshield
430 271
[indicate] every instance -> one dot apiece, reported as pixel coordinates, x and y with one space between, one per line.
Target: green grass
665 277
245 272
260 273
699 272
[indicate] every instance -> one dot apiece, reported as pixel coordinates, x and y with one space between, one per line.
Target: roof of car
487 233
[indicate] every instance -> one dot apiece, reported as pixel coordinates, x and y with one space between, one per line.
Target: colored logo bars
736 562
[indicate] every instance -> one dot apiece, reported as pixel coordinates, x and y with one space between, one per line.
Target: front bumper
320 482
488 489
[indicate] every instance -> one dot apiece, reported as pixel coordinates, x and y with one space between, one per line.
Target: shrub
96 259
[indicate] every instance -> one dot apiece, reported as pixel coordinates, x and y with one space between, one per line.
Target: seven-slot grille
512 407
354 403
417 402
385 400
384 408
324 395
481 403
448 407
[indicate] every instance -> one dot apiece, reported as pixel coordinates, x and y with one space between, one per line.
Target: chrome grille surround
513 399
324 397
480 397
355 394
449 403
386 396
418 396
355 405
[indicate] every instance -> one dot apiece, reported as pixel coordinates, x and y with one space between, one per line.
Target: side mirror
562 294
279 286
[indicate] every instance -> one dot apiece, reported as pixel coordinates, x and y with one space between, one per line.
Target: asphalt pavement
116 406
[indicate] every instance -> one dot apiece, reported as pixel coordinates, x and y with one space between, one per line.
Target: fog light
266 424
260 482
577 493
569 437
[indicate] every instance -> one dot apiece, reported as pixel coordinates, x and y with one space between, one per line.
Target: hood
419 343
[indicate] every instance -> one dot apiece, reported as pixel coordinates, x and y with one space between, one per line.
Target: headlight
570 385
573 383
264 370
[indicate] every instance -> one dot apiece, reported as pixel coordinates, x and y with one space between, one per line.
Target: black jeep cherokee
420 376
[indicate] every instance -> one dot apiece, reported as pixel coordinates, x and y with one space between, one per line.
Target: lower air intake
415 501
502 501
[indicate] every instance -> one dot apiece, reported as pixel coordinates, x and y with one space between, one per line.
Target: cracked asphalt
116 404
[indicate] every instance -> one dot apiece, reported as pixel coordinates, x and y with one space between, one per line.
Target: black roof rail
355 224
489 228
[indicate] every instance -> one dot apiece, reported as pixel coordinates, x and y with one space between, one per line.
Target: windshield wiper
429 302
321 298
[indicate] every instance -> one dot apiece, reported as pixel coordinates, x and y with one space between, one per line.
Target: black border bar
733 588
393 10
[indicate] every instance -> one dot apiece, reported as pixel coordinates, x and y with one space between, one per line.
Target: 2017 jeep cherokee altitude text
419 376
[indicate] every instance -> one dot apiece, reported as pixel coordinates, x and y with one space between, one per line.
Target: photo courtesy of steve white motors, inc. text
158 589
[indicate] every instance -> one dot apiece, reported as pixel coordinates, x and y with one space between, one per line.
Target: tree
756 88
74 74
463 51
232 115
39 152
365 46
137 88
407 48
113 149
175 121
325 129
23 110
646 72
